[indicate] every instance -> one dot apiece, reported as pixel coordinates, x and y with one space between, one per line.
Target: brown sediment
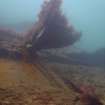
24 84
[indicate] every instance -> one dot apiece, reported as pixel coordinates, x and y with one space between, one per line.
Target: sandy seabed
24 84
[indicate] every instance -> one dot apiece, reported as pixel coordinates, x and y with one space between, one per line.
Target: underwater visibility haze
52 52
87 16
